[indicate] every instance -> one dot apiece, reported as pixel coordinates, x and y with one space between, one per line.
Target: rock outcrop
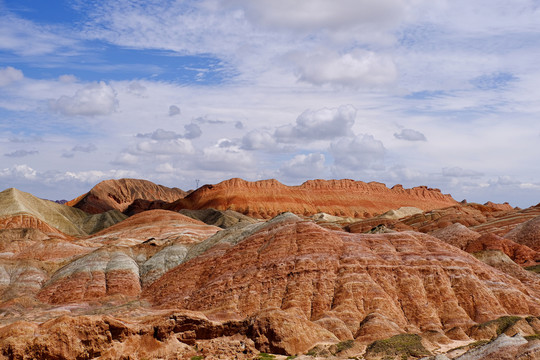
345 198
119 194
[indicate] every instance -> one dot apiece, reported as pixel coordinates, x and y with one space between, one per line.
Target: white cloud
93 99
304 167
323 124
26 38
354 69
258 140
165 168
168 147
126 158
94 176
9 75
410 135
312 15
19 171
137 88
358 153
229 159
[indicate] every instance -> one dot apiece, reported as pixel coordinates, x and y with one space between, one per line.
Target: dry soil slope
354 285
19 209
347 198
119 194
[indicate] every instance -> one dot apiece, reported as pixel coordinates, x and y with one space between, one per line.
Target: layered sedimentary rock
154 225
135 251
102 273
472 242
345 198
507 221
119 194
373 285
23 210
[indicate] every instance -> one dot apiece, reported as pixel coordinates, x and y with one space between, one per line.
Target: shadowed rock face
375 285
346 198
119 194
224 219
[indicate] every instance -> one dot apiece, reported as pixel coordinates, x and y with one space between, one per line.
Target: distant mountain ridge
348 198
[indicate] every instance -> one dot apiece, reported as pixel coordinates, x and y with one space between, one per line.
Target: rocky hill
23 210
426 276
119 194
346 198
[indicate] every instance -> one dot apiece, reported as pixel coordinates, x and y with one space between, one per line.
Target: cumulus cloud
353 69
410 135
304 167
193 131
460 172
21 153
323 124
94 176
229 159
174 110
258 140
19 171
92 100
239 125
9 75
357 153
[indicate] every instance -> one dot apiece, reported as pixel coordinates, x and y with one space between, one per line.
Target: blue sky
416 92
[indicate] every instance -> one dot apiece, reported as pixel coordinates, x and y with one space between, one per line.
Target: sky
414 92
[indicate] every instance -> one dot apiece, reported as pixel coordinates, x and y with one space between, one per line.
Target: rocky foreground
390 274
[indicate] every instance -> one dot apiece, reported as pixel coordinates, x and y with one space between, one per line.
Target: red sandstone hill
119 194
357 286
268 198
